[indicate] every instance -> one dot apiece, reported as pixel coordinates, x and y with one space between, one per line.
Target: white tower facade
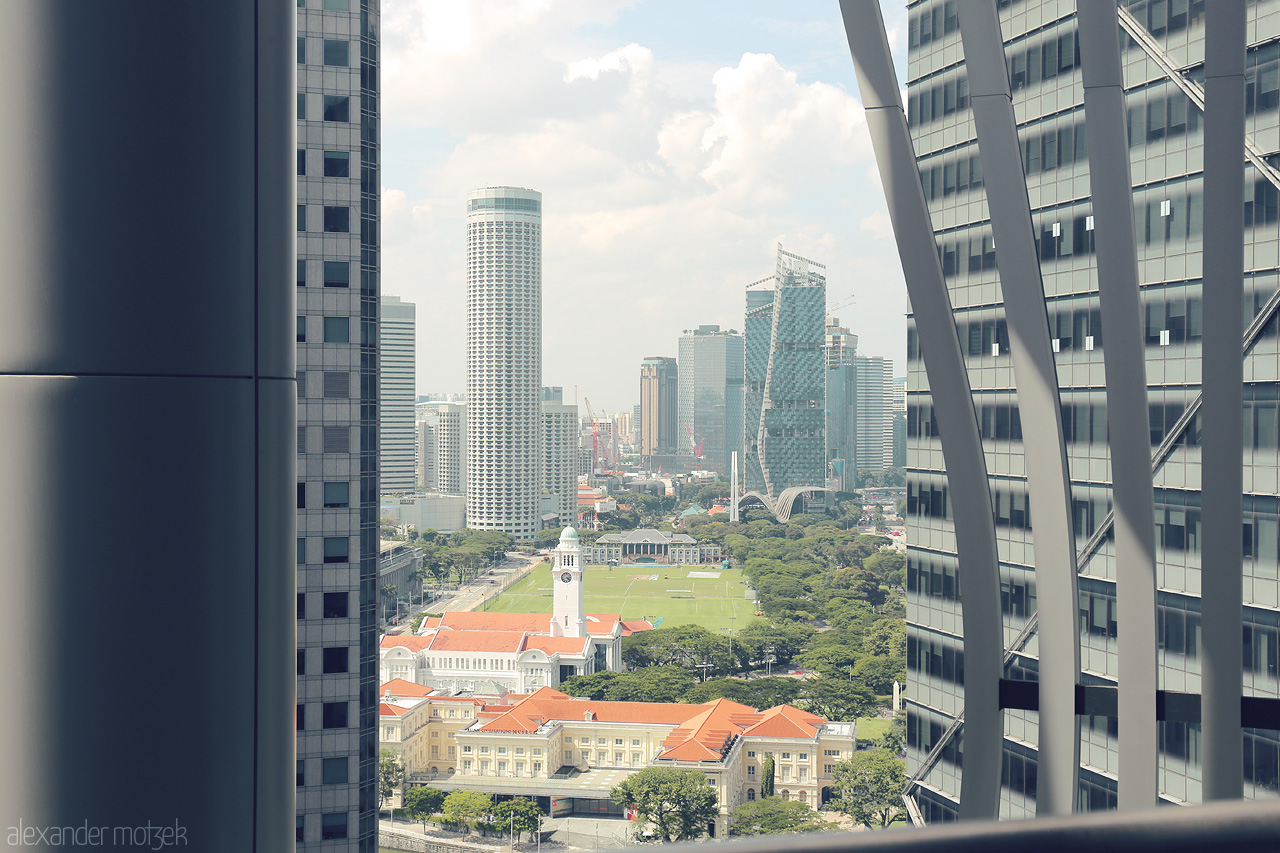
504 360
569 618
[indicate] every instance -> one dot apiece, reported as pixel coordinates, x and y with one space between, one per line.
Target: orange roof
635 626
485 621
786 721
548 704
400 687
477 641
553 645
386 710
408 641
707 736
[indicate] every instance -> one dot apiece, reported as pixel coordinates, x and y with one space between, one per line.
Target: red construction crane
697 449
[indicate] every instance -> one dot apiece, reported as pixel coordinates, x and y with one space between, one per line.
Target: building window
302 273
337 439
302 50
786 755
302 217
335 659
302 496
336 53
335 605
301 826
302 550
337 549
333 826
337 164
336 495
337 274
751 793
301 774
751 754
337 330
302 106
751 770
337 108
804 756
335 771
302 330
337 5
302 605
302 161
301 721
302 665
337 220
335 715
466 748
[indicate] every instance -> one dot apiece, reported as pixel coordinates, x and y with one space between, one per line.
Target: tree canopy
676 803
421 802
772 816
868 786
518 814
462 808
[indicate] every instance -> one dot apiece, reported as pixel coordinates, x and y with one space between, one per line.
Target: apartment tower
710 403
338 299
659 404
504 360
396 466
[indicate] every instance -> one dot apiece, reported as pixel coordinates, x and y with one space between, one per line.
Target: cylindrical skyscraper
504 359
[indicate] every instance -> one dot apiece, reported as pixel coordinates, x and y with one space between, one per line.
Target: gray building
559 456
442 444
873 399
396 361
658 422
338 300
842 412
504 360
785 409
710 404
1185 205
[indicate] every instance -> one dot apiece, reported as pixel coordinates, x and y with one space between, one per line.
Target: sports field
676 594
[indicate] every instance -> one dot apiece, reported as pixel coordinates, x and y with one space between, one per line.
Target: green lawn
871 728
715 603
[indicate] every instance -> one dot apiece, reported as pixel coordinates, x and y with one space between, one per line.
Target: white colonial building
519 652
646 545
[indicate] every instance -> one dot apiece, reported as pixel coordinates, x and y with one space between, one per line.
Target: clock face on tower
566 577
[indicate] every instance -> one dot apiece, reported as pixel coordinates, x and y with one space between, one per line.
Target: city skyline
645 143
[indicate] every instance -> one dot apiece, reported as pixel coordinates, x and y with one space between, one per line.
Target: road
473 594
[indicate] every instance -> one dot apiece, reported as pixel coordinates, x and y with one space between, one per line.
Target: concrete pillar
970 496
1128 418
1221 414
1044 449
147 409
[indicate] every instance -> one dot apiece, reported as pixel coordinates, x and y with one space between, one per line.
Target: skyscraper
396 396
1188 230
338 296
842 406
560 455
710 382
659 405
504 360
873 399
786 377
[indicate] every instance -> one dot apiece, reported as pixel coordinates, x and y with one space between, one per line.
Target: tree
886 638
678 803
390 592
773 816
878 674
462 808
895 737
391 774
868 787
421 802
518 815
766 776
837 699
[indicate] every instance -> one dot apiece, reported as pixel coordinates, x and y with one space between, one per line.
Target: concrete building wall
396 438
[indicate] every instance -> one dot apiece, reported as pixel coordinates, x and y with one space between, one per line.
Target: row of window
333 825
337 330
335 659
336 219
333 107
337 549
335 495
335 52
335 605
1086 423
333 771
336 164
335 274
333 715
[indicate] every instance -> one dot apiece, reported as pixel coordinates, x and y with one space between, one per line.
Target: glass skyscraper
1163 63
710 395
338 296
785 391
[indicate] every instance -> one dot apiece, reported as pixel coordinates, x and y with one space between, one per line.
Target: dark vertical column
1222 381
952 400
1128 419
146 422
1044 450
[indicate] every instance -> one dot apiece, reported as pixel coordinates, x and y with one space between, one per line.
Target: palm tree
389 591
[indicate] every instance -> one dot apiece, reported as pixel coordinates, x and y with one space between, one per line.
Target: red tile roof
535 623
553 645
400 687
635 626
386 710
786 721
477 641
407 641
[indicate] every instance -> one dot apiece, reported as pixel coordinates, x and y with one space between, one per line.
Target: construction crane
697 449
595 436
843 303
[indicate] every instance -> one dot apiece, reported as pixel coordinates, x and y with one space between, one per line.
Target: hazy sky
675 145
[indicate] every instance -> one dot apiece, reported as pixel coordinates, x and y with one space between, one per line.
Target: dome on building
569 535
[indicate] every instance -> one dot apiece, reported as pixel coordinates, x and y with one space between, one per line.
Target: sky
676 144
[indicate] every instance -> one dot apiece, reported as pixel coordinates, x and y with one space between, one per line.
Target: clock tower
568 617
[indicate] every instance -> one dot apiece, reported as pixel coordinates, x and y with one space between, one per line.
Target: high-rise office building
338 296
659 405
397 447
710 404
425 465
504 360
873 399
446 444
785 414
1163 60
560 455
842 410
